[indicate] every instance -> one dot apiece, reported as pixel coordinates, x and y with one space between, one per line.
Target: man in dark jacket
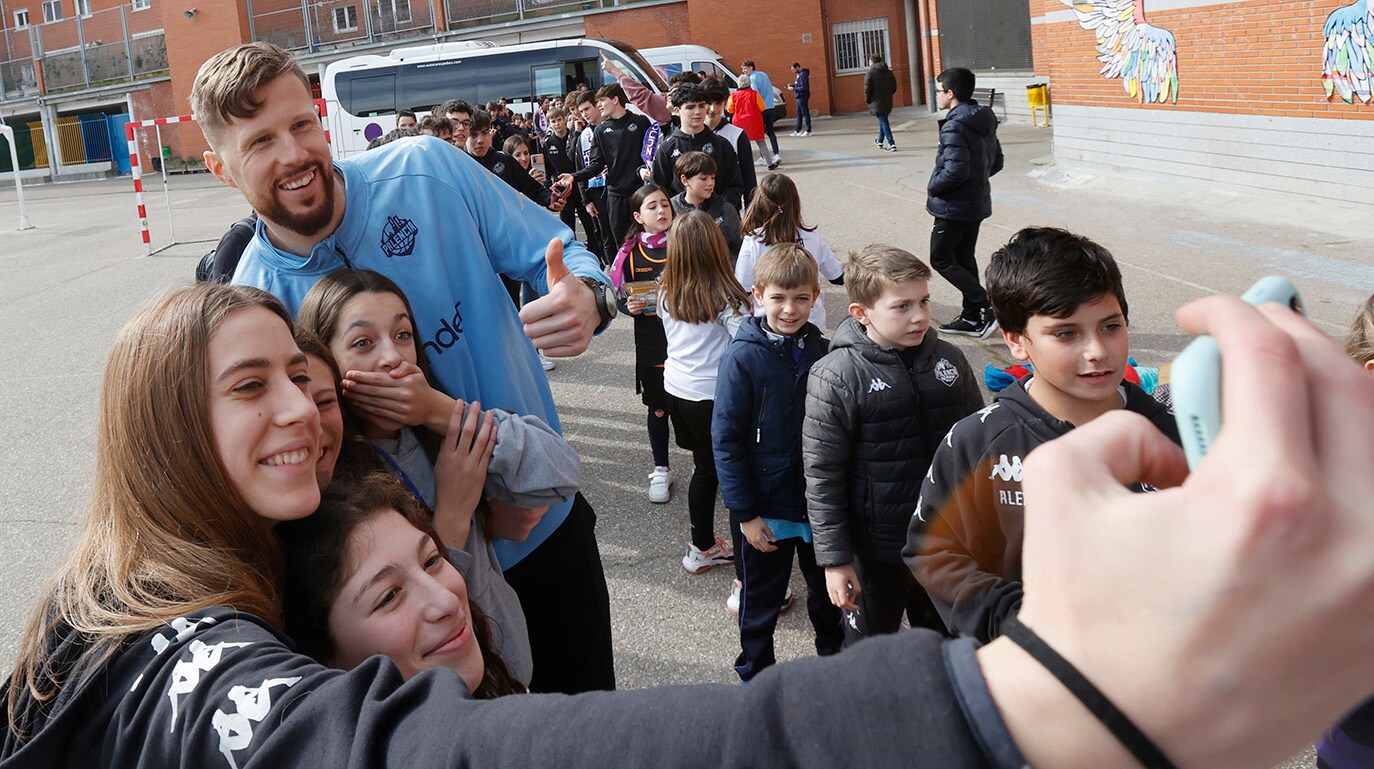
801 89
876 409
959 196
879 86
618 150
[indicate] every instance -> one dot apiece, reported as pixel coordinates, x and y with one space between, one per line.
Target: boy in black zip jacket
1061 306
696 173
617 148
876 409
507 168
756 436
689 102
560 151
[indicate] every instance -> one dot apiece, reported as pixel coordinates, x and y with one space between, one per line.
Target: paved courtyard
67 286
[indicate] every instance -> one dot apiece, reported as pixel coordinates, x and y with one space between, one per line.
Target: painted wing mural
1142 55
1349 52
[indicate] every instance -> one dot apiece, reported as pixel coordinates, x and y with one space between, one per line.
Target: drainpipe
916 74
927 65
829 78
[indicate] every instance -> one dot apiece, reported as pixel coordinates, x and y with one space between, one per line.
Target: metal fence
316 25
332 24
82 51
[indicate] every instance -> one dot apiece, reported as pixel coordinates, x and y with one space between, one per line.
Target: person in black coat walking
879 86
959 196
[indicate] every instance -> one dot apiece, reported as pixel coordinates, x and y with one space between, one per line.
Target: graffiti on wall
1142 55
1349 52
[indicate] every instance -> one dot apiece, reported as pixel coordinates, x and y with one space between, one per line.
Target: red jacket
746 107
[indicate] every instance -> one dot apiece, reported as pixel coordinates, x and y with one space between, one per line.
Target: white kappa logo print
186 674
878 385
252 703
1007 471
946 372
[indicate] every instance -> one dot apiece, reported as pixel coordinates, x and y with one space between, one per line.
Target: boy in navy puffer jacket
756 433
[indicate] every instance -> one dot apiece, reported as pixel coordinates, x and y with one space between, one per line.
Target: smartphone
1195 377
539 159
561 192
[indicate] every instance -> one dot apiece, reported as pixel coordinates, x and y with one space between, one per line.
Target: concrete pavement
67 287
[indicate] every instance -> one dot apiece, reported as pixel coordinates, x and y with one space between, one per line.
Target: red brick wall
651 27
1260 57
770 32
849 89
153 103
190 42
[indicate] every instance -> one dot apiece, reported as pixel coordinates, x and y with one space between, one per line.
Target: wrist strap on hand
1121 727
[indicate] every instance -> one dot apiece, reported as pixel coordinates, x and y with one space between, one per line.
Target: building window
83 7
395 11
142 5
21 18
855 41
346 18
52 10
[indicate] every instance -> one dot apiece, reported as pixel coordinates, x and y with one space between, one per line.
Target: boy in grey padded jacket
876 409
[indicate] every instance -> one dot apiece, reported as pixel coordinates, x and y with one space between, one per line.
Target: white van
672 59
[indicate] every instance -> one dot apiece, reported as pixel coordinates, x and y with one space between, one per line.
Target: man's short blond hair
786 265
224 86
875 268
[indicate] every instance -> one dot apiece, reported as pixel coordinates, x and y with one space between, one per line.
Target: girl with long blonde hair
702 306
772 217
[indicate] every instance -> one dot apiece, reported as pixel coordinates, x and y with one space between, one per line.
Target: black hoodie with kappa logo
222 689
617 149
964 541
729 185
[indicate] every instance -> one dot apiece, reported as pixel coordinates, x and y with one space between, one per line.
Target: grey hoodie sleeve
827 446
532 466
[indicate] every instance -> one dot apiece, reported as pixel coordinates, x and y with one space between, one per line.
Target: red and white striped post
136 166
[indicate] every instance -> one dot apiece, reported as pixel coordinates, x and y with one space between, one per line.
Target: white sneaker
660 485
758 161
549 364
732 603
697 561
777 158
804 133
795 133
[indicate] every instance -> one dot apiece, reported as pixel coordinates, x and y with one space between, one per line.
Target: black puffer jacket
969 154
873 422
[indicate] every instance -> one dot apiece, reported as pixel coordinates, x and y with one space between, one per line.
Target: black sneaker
978 329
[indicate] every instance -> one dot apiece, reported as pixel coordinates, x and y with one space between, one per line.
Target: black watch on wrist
605 301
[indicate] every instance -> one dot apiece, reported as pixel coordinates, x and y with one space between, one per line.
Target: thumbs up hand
561 323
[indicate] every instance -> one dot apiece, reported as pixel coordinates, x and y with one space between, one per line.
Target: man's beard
307 223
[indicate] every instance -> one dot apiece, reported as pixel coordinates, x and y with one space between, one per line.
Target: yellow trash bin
1038 95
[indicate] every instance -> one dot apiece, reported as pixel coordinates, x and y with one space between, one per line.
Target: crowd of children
861 451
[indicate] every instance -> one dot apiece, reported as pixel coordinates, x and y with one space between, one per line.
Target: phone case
1195 377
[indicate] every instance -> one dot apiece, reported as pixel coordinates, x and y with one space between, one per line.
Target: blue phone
1195 378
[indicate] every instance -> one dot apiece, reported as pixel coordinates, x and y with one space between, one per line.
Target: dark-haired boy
505 167
689 104
717 94
876 408
959 196
696 174
1062 308
618 149
459 114
560 157
756 434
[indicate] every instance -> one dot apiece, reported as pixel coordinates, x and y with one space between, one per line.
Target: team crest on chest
946 372
398 236
499 168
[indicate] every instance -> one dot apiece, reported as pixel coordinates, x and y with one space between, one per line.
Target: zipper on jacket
763 404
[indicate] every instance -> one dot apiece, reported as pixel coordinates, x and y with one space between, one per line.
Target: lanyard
402 473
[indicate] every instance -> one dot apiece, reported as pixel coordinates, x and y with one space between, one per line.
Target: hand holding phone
1195 378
